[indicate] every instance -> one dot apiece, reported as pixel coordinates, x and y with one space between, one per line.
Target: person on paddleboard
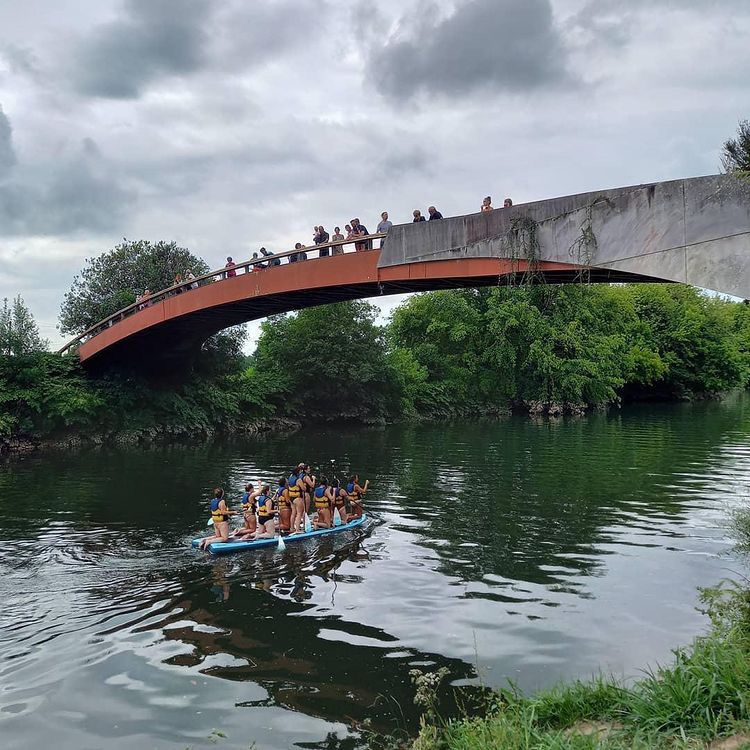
284 504
323 518
249 506
296 489
337 499
266 514
355 492
309 481
220 516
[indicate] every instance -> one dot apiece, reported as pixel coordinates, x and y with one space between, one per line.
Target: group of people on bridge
284 510
354 230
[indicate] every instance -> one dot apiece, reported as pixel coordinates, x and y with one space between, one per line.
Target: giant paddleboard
226 548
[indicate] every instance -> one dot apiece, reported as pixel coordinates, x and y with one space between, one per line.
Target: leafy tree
443 331
325 363
735 155
19 333
695 336
112 280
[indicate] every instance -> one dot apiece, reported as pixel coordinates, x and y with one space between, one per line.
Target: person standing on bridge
508 203
487 204
384 226
321 238
191 278
230 266
417 214
434 213
337 237
360 230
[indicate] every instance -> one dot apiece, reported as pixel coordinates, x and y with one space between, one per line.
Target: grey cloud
614 22
251 33
7 154
156 38
20 60
79 194
500 44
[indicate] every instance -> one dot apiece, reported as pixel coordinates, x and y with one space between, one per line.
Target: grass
702 696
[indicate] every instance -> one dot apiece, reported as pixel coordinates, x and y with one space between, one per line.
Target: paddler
249 506
220 516
323 518
355 493
309 482
296 489
266 514
337 500
284 504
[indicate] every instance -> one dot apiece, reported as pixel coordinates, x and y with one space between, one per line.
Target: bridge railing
262 264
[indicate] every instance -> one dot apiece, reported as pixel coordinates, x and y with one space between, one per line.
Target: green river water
527 550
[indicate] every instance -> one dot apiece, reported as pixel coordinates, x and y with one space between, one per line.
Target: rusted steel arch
178 325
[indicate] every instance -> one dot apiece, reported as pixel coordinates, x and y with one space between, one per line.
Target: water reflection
537 549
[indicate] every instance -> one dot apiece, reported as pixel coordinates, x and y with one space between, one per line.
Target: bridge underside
171 331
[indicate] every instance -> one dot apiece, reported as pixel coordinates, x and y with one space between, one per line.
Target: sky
228 124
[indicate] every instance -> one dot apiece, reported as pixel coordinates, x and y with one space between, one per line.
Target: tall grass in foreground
703 696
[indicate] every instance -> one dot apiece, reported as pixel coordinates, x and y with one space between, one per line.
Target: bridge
693 231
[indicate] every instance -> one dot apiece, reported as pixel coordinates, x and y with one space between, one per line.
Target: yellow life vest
321 501
217 514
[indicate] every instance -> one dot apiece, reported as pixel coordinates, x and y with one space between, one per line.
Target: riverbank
156 435
702 700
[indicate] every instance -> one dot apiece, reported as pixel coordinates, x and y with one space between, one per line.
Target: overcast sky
230 124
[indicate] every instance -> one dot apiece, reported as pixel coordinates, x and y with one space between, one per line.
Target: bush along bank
448 354
48 401
701 701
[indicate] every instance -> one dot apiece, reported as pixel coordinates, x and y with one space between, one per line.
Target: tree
112 280
443 332
324 363
19 333
735 156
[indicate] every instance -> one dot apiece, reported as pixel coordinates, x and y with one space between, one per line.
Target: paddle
308 524
281 546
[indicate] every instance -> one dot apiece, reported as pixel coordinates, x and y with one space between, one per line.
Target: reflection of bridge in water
319 665
694 231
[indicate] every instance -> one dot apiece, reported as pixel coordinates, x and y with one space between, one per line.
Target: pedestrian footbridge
692 231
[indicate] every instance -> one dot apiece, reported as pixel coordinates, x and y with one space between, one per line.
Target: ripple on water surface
537 550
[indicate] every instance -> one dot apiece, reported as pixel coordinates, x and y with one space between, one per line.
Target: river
525 550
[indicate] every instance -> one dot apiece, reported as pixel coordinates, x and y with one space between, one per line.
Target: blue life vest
294 490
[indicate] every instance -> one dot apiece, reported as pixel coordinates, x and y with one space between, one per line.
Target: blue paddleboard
225 548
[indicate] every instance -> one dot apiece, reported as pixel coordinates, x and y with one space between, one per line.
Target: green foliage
444 353
573 345
19 333
47 395
735 155
112 280
42 393
325 363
